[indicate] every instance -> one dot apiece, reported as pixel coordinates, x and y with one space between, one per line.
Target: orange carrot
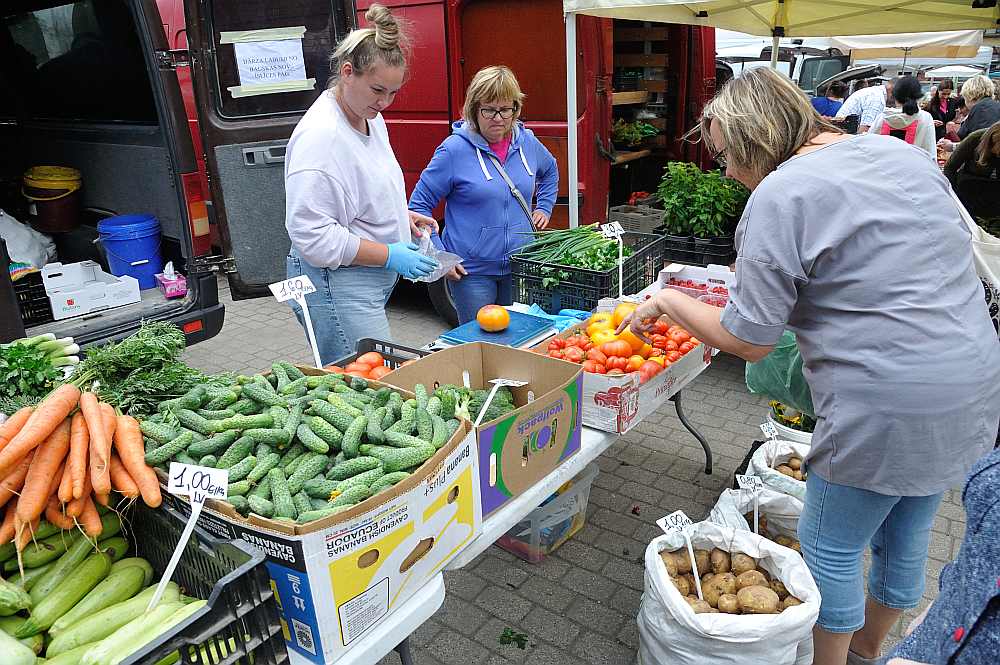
54 514
75 507
79 445
100 446
42 473
12 425
23 532
110 419
12 484
90 519
7 527
128 443
46 417
121 480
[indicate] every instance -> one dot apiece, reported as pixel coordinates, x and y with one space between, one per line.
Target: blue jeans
474 291
838 523
348 305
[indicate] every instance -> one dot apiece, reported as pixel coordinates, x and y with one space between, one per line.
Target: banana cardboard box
337 578
519 449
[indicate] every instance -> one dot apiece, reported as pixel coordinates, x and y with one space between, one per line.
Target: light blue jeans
472 292
837 525
348 305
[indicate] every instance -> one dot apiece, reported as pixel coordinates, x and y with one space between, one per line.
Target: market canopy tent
954 71
772 18
948 44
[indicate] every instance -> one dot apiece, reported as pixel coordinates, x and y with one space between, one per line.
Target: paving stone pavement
579 605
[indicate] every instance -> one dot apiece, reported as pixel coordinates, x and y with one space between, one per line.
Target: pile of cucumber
81 604
297 447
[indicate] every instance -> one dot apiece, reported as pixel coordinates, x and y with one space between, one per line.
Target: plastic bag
779 376
24 244
782 510
770 455
670 632
446 260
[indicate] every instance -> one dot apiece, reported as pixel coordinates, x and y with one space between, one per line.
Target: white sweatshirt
341 186
925 138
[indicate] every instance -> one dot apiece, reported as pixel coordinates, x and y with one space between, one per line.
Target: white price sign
293 288
751 483
612 230
769 430
674 522
197 483
513 383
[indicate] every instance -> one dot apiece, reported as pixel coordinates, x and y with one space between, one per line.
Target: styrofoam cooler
557 520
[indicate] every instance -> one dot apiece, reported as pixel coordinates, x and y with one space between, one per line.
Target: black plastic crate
637 218
579 288
394 354
698 253
230 574
35 306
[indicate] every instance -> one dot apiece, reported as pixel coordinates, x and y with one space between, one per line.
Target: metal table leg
676 399
403 649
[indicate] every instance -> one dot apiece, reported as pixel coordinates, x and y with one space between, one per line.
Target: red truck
453 39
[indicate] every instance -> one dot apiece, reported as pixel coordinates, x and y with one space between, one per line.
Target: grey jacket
963 625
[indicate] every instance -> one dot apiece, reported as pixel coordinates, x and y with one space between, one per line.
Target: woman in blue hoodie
485 221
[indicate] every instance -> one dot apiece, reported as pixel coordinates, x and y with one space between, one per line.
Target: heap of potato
730 583
792 468
784 541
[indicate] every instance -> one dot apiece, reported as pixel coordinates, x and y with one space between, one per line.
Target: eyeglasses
720 158
491 114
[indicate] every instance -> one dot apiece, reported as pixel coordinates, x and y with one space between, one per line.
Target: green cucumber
272 436
352 437
374 427
264 464
192 421
214 444
307 435
238 488
399 459
425 426
307 469
215 414
240 422
295 388
165 452
244 407
241 470
397 440
261 395
453 426
420 394
279 373
295 451
293 421
440 431
239 503
159 432
337 416
261 506
434 405
263 489
337 401
293 372
302 504
351 496
236 452
365 478
209 460
282 498
387 481
280 415
319 514
353 467
324 430
320 488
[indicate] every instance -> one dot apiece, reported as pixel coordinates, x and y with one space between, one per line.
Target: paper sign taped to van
270 62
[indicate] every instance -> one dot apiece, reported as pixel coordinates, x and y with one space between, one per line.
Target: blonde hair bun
387 32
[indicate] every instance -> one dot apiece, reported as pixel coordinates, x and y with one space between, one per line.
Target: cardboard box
518 450
81 288
337 578
713 275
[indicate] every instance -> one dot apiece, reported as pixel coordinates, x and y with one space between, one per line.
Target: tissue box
173 287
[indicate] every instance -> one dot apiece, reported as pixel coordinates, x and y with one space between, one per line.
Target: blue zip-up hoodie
483 222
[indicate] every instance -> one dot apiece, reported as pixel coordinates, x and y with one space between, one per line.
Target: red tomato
656 353
648 370
355 366
679 337
616 362
685 347
372 359
673 356
695 341
557 344
597 356
619 348
672 328
574 354
593 367
661 327
580 341
659 341
378 372
671 345
556 353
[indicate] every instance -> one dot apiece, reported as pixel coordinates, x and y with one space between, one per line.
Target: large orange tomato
634 363
378 372
622 311
632 339
603 336
493 318
600 321
618 348
371 358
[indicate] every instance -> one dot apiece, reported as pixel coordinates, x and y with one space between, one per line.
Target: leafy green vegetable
142 370
26 374
704 204
632 133
582 247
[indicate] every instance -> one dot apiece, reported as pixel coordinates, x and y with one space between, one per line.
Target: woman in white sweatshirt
345 201
908 122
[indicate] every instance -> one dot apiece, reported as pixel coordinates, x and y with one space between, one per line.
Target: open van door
257 66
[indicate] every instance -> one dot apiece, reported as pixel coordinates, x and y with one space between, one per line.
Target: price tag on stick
197 483
297 288
496 386
752 484
769 430
675 521
615 230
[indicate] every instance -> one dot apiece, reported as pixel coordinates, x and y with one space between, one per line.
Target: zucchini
282 498
320 488
387 481
264 464
352 437
61 570
255 421
85 577
366 479
261 506
236 452
307 435
114 547
191 420
31 576
309 468
159 432
13 598
319 514
165 452
213 445
71 657
351 496
121 584
99 625
13 652
135 634
324 430
353 467
10 624
134 562
399 459
46 532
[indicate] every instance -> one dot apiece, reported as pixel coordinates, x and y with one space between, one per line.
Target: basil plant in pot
700 212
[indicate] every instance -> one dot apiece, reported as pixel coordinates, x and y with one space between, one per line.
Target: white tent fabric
954 71
801 18
949 44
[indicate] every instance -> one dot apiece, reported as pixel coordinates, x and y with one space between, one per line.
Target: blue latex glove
405 259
